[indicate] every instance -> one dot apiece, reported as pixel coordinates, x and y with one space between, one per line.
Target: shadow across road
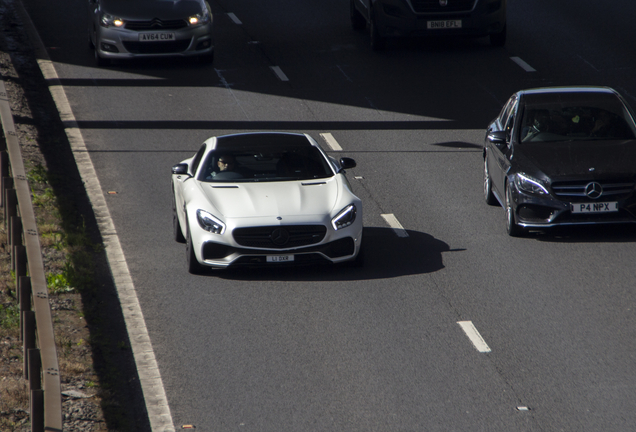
610 233
386 256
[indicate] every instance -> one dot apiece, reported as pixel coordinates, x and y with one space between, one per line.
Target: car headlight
531 185
209 222
198 19
345 218
111 21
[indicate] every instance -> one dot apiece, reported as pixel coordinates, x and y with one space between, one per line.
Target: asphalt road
378 348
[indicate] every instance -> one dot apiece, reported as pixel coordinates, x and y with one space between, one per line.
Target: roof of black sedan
569 89
586 95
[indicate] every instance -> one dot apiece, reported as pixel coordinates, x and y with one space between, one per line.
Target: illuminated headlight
111 21
209 222
202 18
531 185
345 218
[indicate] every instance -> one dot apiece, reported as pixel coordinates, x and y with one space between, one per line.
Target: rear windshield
576 116
260 165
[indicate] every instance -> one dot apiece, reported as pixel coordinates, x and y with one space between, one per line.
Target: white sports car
265 198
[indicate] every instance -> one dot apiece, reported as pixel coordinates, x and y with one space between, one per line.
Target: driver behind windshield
226 163
534 123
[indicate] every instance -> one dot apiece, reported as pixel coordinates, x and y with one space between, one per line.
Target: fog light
204 44
109 48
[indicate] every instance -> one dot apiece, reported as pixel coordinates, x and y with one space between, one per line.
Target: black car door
498 155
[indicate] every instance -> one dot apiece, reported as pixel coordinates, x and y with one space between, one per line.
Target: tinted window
576 116
505 112
275 163
197 159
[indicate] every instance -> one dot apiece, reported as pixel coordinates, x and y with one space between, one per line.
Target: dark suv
393 18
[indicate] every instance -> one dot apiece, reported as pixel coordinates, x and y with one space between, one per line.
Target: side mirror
180 169
346 163
498 138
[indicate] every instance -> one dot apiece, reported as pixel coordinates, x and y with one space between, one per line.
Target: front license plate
156 37
280 258
444 24
594 207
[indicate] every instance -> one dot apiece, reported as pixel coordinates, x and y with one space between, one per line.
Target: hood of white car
289 198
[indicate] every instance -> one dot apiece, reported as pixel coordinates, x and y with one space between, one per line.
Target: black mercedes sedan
562 156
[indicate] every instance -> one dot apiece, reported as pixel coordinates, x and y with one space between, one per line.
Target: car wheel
357 20
488 195
358 262
498 39
206 59
176 226
194 267
513 229
377 41
90 38
100 61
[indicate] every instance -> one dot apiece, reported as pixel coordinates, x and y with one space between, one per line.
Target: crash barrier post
41 364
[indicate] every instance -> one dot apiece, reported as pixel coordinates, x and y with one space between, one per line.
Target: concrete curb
154 393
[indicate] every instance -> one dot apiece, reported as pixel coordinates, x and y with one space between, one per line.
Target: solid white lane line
525 66
331 141
147 368
234 18
395 224
474 336
279 73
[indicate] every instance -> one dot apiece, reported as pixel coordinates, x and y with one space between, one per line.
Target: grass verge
92 346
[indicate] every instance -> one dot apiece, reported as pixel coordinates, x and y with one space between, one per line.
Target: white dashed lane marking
474 336
395 224
234 18
331 141
279 73
525 66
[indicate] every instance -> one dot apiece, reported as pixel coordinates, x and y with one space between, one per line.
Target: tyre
359 261
206 59
100 61
488 195
377 41
90 38
357 20
194 267
512 228
176 226
498 39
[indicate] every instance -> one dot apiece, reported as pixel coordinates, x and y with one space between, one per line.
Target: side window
509 122
503 115
197 160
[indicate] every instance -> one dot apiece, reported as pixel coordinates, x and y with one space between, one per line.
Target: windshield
575 117
260 165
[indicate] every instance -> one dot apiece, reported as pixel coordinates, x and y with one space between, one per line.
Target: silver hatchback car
125 29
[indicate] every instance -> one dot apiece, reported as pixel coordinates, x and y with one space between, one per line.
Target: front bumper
222 250
396 18
116 43
221 255
544 211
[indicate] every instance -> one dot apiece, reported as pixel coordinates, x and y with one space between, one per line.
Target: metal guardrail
36 326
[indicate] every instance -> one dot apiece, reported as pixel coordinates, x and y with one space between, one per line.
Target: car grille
426 6
156 24
337 249
157 47
280 237
612 189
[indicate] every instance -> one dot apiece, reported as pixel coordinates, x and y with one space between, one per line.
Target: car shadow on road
619 233
385 254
